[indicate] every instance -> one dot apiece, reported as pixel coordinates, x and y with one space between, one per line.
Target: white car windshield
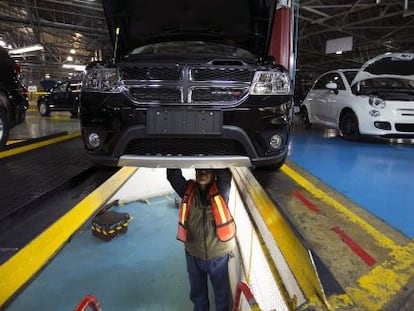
387 83
350 75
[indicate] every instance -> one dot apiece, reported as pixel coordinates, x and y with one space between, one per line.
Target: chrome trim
184 161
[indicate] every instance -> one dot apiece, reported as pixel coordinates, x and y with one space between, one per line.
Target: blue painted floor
376 176
143 269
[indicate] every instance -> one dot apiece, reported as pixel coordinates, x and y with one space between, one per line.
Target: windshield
350 75
387 83
192 47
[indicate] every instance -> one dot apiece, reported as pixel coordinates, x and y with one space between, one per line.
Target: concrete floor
143 269
375 177
36 126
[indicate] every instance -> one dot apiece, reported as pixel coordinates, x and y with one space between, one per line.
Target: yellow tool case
109 224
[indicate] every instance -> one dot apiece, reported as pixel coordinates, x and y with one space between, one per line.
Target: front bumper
240 137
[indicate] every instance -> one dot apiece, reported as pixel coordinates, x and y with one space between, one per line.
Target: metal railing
242 287
88 301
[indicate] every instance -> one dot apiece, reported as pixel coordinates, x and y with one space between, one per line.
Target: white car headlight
102 79
270 83
376 102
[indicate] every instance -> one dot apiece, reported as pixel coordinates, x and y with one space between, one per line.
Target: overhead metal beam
44 23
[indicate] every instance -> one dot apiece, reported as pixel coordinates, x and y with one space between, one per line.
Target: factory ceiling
75 32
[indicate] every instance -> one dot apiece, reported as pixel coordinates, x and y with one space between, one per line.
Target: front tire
43 109
74 113
4 129
304 118
348 125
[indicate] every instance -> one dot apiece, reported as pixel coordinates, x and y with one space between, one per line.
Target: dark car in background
64 96
190 86
13 99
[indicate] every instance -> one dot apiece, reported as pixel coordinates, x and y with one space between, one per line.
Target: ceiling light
338 52
72 51
75 67
69 58
26 49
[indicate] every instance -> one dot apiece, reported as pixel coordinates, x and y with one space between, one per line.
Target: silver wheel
43 109
4 129
348 124
304 117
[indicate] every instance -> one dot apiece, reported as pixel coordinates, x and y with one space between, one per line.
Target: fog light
94 140
275 141
383 125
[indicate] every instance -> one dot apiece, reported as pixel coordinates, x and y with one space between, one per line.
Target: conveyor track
40 186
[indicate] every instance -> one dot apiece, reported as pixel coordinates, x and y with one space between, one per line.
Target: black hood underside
242 23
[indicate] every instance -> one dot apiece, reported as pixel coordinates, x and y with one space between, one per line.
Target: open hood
397 65
242 23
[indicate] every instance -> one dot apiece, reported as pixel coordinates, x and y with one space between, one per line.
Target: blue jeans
217 269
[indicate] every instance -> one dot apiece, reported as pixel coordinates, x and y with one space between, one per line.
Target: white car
376 100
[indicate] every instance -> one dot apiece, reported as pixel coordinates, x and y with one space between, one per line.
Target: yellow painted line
55 117
380 238
14 141
29 260
384 281
59 117
14 151
291 247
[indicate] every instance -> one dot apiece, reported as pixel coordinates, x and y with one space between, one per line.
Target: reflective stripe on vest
224 223
183 212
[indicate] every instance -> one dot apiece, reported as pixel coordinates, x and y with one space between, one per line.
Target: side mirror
332 86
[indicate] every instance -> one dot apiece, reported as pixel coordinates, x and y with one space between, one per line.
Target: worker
207 229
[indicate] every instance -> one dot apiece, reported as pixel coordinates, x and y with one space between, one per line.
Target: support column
281 42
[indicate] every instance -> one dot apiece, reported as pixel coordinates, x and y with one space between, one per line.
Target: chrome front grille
220 74
406 112
156 94
151 73
405 127
211 94
184 84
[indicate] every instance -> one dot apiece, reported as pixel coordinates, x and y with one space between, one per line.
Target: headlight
376 102
270 83
101 79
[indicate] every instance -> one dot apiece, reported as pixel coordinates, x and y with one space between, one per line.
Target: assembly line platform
348 202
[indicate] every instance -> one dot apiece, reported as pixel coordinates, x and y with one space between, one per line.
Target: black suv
64 96
190 86
13 100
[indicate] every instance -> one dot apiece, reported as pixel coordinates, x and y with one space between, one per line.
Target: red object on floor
88 301
355 247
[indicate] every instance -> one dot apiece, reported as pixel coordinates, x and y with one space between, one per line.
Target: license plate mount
162 121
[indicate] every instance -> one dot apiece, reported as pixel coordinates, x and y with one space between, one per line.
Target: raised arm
224 182
177 180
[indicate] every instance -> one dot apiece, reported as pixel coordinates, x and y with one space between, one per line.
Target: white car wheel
304 118
43 109
348 124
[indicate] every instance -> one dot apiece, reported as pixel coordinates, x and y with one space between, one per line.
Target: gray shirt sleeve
177 180
223 179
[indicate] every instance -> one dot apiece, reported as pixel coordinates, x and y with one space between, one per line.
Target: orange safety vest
224 222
